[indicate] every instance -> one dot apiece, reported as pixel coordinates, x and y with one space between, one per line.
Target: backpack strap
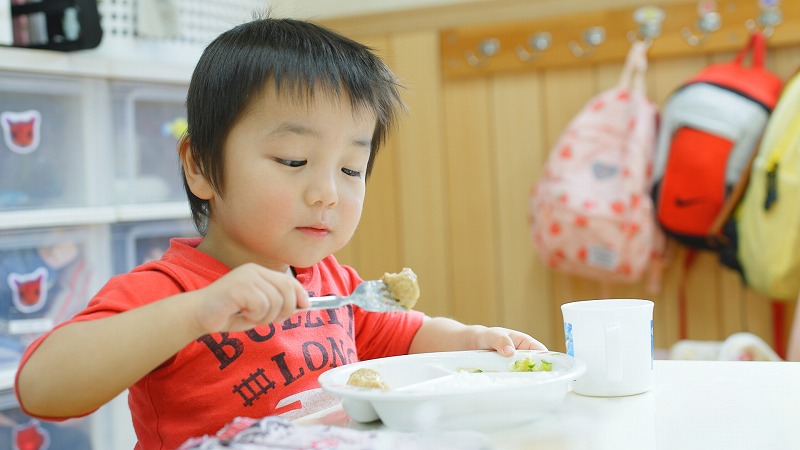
778 326
683 294
635 67
715 235
758 46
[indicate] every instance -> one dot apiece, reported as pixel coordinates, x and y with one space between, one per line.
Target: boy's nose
322 191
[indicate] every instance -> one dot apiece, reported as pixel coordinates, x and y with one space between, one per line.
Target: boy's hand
505 341
440 334
249 295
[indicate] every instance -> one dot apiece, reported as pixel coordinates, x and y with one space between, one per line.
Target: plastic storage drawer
138 243
47 276
49 152
149 120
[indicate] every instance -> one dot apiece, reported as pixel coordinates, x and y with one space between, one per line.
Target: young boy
284 121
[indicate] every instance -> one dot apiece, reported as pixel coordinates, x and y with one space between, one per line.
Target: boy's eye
290 162
351 172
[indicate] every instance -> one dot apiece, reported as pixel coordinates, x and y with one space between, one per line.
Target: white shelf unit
94 66
110 426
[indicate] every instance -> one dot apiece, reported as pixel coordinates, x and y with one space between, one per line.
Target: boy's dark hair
299 58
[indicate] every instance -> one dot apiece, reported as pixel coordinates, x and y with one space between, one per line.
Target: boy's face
294 182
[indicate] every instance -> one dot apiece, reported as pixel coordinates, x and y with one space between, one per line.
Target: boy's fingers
506 350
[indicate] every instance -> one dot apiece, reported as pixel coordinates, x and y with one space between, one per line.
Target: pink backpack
591 213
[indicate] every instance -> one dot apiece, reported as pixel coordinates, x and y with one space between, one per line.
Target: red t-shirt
265 371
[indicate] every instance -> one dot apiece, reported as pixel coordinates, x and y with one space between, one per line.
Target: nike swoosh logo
684 202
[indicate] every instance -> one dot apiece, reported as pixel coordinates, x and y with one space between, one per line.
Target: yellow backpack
768 217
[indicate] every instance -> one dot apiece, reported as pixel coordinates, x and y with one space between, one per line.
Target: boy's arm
83 365
441 334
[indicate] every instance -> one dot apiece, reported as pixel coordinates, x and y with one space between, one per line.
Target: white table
703 405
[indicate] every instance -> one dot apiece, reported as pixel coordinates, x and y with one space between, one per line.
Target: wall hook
708 22
592 37
769 17
486 49
649 19
538 42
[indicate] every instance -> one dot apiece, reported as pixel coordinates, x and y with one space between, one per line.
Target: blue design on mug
652 344
568 340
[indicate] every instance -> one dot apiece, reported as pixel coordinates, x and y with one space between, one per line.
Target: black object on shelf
63 25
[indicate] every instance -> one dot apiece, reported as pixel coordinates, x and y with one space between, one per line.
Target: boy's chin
307 260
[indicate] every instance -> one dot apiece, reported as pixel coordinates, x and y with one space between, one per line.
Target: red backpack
709 131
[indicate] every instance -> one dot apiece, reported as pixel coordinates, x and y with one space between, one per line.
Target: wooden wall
449 194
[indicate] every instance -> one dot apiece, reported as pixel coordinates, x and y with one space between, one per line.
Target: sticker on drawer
21 130
43 282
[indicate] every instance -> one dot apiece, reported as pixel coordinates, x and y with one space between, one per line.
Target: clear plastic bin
51 133
138 243
148 119
47 275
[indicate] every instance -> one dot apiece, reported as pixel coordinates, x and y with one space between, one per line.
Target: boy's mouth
316 231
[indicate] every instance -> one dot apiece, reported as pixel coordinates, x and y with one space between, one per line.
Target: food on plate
530 365
520 365
403 287
462 378
458 390
367 378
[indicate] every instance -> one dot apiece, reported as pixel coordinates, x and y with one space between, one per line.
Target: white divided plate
435 391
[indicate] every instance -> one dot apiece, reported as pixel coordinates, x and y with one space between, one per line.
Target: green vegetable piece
529 365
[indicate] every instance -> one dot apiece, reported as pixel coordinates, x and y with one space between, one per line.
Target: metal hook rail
671 30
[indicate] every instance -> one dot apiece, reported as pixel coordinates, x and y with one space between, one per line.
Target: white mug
614 337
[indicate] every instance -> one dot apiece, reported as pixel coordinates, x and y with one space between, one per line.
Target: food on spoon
403 287
367 378
529 365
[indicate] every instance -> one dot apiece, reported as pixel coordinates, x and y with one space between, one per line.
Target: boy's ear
194 177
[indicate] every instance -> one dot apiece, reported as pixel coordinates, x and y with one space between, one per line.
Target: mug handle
613 351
